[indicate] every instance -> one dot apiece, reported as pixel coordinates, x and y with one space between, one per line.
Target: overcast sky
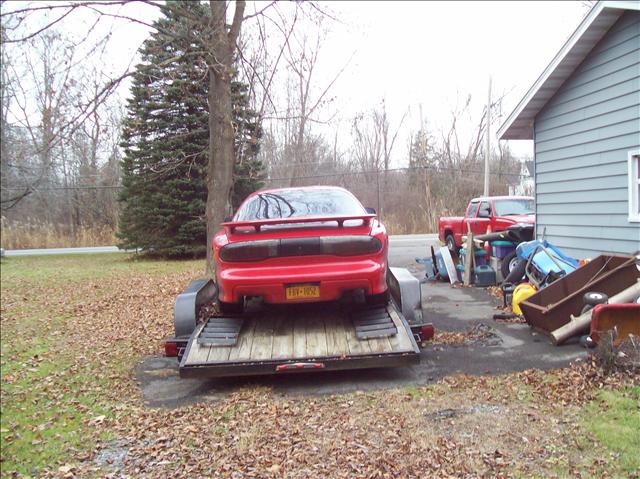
435 53
431 54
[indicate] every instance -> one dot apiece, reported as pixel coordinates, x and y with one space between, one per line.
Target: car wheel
451 244
512 268
378 299
230 308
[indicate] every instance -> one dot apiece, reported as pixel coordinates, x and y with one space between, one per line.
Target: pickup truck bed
320 338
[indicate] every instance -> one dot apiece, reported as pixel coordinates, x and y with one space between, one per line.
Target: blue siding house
583 115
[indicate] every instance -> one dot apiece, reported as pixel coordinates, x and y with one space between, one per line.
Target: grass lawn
74 328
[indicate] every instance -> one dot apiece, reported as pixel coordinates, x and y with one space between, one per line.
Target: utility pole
487 143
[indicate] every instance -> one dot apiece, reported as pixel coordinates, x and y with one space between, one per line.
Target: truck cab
487 213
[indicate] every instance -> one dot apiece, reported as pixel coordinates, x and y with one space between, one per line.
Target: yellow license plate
303 291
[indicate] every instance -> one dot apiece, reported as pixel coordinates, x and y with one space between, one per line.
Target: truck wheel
510 263
451 244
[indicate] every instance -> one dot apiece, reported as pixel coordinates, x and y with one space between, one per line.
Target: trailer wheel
593 298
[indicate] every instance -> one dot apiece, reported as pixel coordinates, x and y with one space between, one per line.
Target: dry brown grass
32 233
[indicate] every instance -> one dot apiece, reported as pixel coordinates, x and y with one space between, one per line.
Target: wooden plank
316 336
262 338
356 347
379 345
299 337
282 346
242 350
198 354
219 353
401 341
337 344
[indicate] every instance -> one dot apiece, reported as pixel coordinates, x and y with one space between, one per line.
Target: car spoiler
230 226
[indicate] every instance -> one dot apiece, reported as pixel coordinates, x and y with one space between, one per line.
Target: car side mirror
484 214
371 211
227 219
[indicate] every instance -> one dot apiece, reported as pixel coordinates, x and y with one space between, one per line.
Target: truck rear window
513 207
299 203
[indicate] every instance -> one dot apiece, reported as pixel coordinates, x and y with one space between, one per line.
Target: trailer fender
185 310
405 291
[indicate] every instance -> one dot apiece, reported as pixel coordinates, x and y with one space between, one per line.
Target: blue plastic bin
502 248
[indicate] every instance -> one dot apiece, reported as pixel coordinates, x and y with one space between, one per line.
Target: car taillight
250 251
348 245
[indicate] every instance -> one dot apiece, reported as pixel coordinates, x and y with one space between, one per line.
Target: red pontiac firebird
295 245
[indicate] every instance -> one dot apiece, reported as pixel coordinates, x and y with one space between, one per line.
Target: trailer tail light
171 349
298 366
427 332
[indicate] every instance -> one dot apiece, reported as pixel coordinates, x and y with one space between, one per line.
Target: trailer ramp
323 337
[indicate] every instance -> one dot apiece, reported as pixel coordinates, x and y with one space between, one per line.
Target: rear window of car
299 203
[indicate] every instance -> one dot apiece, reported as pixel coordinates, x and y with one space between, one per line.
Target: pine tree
165 142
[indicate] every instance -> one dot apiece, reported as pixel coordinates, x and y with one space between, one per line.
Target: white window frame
634 180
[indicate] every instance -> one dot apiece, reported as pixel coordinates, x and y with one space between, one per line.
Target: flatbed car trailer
298 338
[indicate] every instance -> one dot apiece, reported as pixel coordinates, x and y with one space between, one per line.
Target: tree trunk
220 168
221 131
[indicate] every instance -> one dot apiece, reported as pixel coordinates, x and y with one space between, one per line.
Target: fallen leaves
464 426
477 333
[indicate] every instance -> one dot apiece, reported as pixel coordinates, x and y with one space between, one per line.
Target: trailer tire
593 298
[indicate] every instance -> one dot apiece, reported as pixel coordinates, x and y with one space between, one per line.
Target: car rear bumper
270 282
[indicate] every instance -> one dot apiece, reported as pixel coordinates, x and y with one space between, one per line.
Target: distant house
583 115
524 184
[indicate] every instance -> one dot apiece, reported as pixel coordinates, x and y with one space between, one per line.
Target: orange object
624 318
487 244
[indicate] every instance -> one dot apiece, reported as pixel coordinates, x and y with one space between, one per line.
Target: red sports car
295 245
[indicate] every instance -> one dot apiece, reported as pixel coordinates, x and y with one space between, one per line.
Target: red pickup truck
489 213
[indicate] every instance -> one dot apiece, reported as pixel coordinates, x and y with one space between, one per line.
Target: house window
634 186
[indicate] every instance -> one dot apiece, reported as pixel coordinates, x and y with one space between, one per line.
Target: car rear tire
230 308
378 299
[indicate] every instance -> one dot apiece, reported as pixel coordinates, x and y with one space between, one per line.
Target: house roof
601 17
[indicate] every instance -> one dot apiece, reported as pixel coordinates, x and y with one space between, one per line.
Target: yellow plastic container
522 292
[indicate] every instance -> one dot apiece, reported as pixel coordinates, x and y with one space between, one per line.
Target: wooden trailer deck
325 335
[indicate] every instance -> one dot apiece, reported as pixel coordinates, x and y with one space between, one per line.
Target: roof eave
519 124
